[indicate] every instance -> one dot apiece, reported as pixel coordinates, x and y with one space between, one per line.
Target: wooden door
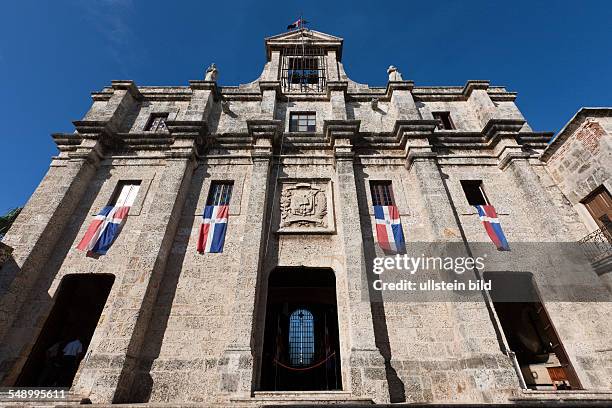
599 205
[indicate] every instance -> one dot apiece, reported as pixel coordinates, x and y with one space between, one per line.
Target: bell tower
303 61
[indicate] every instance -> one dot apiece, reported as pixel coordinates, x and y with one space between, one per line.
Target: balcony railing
598 244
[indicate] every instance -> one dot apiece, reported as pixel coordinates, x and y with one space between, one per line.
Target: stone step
569 395
266 398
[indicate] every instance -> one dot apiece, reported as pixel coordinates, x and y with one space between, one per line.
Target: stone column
366 364
236 365
108 375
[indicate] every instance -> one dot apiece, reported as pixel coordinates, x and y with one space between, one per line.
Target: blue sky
556 54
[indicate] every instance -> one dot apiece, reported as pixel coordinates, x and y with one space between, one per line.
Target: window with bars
382 193
302 122
301 338
444 120
157 123
473 192
220 193
303 69
125 193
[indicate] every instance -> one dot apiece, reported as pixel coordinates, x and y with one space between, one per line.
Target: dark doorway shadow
67 332
301 349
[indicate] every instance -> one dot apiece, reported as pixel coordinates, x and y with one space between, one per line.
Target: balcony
597 247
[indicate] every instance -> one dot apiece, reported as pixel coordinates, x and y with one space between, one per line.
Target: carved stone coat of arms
304 206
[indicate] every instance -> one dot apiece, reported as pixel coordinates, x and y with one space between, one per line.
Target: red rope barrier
305 368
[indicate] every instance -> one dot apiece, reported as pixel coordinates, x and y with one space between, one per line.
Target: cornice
129 86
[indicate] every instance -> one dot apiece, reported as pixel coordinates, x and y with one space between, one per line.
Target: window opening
220 193
382 193
474 192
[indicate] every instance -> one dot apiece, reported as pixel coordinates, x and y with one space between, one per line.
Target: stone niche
306 206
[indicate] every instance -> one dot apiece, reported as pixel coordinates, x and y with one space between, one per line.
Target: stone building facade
579 161
302 147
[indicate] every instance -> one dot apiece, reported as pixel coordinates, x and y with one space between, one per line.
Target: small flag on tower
489 219
212 230
389 232
299 23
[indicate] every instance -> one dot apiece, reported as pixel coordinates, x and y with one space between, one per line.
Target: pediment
310 37
296 35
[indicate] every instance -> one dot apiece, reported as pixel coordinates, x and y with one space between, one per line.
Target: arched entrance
301 343
64 339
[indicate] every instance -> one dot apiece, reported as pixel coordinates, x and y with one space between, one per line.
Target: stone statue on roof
211 73
394 74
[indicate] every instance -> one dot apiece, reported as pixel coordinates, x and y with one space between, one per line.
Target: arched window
301 337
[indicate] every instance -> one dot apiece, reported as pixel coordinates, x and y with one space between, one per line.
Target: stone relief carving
304 206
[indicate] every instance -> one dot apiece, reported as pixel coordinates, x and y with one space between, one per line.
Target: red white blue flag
489 219
389 232
299 23
212 230
103 229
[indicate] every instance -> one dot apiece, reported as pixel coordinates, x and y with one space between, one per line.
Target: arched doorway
65 337
301 343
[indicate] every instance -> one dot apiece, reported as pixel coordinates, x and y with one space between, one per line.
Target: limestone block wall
66 259
376 120
435 351
583 162
462 115
192 320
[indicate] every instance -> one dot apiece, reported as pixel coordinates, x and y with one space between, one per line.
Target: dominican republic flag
212 230
299 23
389 232
489 219
103 229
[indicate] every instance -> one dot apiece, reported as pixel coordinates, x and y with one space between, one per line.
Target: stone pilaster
366 364
124 98
269 91
479 101
517 162
333 73
203 94
336 91
131 312
236 366
402 105
41 222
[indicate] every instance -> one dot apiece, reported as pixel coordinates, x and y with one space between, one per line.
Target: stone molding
471 85
496 127
129 86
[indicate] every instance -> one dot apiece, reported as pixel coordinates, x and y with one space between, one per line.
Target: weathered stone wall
180 326
583 162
